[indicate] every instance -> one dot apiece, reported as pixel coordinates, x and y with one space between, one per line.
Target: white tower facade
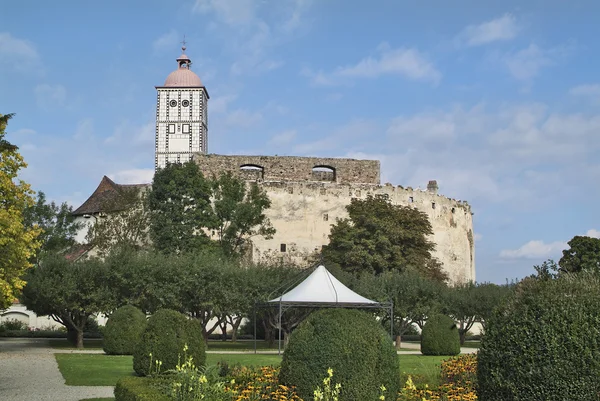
181 116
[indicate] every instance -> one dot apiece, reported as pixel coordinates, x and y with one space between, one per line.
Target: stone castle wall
292 168
305 205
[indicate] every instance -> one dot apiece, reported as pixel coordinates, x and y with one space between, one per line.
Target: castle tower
181 116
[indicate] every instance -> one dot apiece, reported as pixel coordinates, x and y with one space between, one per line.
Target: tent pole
254 313
279 344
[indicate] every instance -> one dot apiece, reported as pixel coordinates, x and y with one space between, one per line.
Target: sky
497 101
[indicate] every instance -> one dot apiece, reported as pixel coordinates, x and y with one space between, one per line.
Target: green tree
18 242
57 223
379 236
69 292
239 211
125 226
583 254
180 208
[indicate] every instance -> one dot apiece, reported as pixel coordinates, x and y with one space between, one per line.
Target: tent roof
322 287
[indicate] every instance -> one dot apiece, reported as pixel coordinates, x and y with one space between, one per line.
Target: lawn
106 370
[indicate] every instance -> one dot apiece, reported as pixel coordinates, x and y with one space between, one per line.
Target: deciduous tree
583 254
18 242
69 292
379 236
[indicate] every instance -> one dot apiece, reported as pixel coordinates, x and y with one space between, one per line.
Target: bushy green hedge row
544 343
123 330
140 389
350 342
44 334
440 336
164 339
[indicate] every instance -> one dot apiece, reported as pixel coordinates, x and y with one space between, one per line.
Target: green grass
106 370
472 344
423 369
240 345
88 343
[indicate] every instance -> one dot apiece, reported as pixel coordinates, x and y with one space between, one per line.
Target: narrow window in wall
282 247
433 205
326 217
186 128
171 128
453 210
410 199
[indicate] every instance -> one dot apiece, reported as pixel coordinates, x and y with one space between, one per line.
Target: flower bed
458 382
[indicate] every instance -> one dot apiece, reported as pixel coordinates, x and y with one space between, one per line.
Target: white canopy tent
321 290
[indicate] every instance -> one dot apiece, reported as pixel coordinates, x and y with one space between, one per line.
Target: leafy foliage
18 242
127 224
57 223
239 212
180 208
130 388
123 330
167 334
440 336
69 292
379 236
543 343
583 255
351 343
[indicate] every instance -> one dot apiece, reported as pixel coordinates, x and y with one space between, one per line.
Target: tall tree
379 236
18 242
126 226
180 208
583 254
69 292
239 212
56 222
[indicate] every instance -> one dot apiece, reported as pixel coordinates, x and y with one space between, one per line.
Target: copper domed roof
183 77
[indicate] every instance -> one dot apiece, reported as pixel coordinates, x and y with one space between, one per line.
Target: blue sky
497 101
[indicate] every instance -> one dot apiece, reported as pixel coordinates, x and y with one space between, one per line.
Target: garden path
28 371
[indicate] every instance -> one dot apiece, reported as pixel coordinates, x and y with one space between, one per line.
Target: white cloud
167 41
591 90
535 250
132 176
283 138
243 118
593 233
84 130
19 54
232 12
498 29
478 237
50 97
526 64
409 63
127 131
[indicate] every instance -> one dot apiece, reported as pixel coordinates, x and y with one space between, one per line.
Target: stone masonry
308 195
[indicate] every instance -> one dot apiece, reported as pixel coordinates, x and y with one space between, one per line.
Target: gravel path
29 372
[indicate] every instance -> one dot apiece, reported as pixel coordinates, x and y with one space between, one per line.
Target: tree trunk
463 337
223 327
79 339
71 335
235 326
398 342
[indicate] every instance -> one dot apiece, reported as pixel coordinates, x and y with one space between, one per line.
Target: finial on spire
183 42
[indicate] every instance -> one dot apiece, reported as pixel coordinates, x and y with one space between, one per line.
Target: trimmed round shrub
544 342
164 339
440 336
123 330
350 342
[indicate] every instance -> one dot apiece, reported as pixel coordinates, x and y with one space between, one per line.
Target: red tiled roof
108 197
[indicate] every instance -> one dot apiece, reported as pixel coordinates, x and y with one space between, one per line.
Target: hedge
141 389
544 342
350 342
164 339
123 330
440 336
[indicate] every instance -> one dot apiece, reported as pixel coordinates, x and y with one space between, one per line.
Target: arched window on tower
252 172
323 173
